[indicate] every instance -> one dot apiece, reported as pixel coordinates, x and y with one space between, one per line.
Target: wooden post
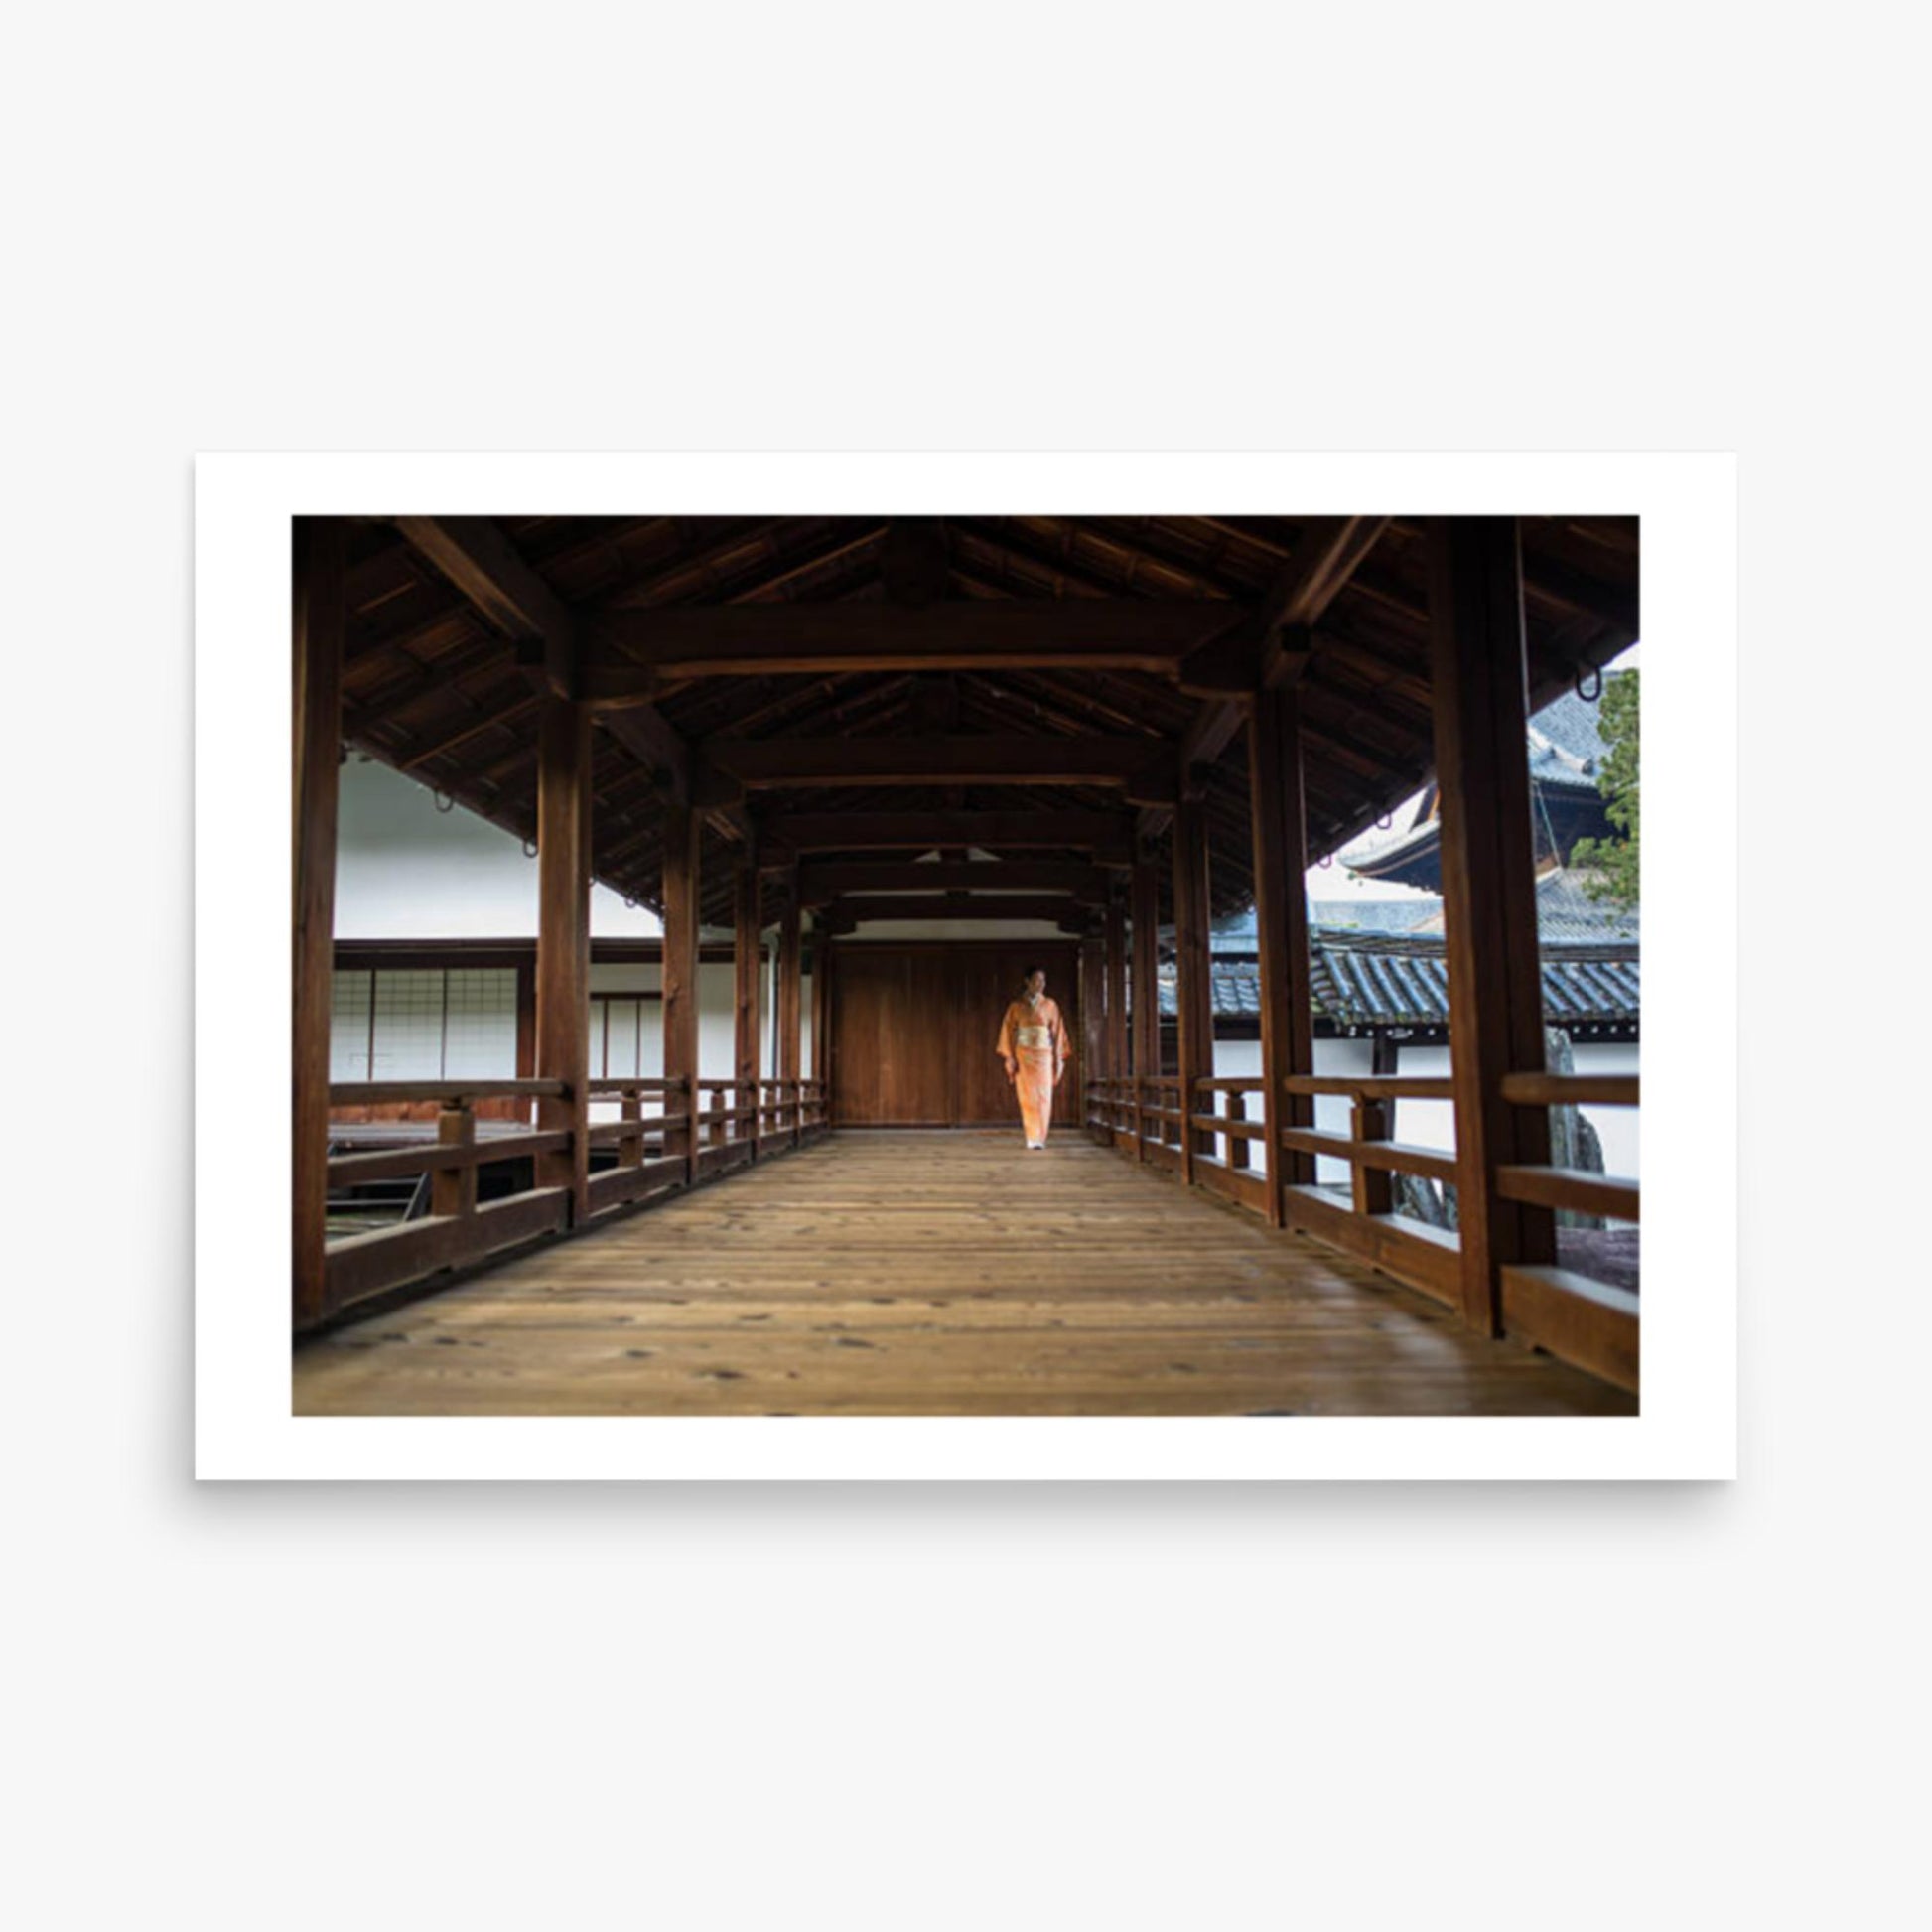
1093 1026
1374 1187
1237 1143
680 980
1115 1054
822 1023
453 1191
747 957
320 620
563 969
1280 842
1479 684
1145 913
526 1030
1194 992
790 971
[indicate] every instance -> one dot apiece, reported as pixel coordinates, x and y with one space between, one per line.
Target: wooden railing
654 1153
1586 1321
455 1231
663 1144
792 1111
1426 1257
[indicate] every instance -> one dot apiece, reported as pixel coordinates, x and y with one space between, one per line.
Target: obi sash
1038 1038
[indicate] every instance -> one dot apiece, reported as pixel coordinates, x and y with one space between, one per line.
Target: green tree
1614 862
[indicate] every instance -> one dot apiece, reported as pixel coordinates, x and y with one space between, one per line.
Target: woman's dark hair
1030 971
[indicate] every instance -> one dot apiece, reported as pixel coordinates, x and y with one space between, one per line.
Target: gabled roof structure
706 641
1566 757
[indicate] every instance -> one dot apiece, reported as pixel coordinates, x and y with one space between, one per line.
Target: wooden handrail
431 1157
1575 1189
458 1231
1378 1086
1397 1156
1570 1089
451 1093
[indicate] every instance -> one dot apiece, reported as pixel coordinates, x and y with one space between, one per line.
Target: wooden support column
1280 841
1373 1187
1194 991
748 959
564 943
453 1191
1093 1021
1479 683
821 989
822 1020
1115 1056
680 980
790 975
526 1026
320 620
1144 911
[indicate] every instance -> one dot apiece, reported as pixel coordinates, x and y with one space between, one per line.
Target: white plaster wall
1241 1058
406 870
1424 1123
1618 1128
1432 1123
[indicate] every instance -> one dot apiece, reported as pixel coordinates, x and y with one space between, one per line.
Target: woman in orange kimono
1034 1044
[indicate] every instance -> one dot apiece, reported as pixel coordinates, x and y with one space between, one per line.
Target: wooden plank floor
922 1274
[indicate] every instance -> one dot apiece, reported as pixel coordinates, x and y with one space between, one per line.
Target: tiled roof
1362 980
1568 725
1564 910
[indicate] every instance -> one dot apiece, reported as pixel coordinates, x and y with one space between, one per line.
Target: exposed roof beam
1317 570
485 565
922 831
1142 766
637 649
410 755
825 880
974 905
482 562
645 733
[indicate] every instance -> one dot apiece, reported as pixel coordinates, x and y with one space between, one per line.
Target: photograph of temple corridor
981 965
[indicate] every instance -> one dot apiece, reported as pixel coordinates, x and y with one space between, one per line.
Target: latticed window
414 1024
623 1042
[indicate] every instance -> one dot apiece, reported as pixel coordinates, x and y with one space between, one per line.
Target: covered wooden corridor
1100 733
935 1274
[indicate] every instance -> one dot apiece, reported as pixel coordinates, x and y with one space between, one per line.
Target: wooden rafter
824 881
639 648
1140 766
968 905
482 562
486 567
922 831
1328 550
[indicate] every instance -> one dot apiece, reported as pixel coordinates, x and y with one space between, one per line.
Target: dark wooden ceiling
434 685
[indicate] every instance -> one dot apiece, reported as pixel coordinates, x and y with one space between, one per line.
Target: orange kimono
1034 1036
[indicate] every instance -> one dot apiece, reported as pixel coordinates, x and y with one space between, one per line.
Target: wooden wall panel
893 1067
917 1025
